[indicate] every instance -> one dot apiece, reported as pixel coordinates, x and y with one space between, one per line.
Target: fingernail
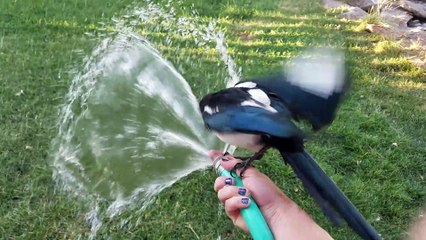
228 181
245 200
225 159
242 191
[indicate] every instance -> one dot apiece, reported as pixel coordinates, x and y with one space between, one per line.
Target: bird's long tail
327 194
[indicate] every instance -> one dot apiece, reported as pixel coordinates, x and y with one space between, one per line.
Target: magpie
260 114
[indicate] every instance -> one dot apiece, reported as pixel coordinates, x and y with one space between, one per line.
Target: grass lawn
375 150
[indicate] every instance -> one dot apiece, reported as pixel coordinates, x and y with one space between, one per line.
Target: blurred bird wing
320 71
312 86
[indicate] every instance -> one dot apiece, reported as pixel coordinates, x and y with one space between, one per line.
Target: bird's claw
242 158
242 166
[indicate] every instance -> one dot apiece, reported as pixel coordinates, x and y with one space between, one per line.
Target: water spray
130 125
255 221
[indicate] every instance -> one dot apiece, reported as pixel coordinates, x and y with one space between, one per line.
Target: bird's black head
222 99
205 101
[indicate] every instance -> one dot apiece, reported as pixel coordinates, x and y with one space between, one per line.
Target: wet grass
375 150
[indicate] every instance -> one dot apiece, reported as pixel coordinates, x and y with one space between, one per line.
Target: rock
365 5
414 23
417 9
354 13
396 18
393 25
334 4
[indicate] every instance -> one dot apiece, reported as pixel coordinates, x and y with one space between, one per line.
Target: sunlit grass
398 65
409 85
388 47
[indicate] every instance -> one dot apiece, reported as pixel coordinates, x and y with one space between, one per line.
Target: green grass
375 150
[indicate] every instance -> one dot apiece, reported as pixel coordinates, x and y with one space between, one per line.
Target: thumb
228 162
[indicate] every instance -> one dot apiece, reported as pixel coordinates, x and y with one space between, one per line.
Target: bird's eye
208 110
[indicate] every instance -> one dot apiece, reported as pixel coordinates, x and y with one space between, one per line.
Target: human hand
284 217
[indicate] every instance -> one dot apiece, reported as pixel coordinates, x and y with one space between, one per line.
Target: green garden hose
252 215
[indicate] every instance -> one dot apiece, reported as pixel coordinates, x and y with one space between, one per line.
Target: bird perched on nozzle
260 114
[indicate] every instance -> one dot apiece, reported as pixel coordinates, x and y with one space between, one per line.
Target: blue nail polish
228 181
245 200
242 191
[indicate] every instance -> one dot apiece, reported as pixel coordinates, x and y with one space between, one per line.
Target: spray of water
130 126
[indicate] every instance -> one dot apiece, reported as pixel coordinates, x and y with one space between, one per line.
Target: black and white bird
261 114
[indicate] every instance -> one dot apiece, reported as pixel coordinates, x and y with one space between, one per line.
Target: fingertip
213 154
228 162
222 181
245 201
229 165
236 203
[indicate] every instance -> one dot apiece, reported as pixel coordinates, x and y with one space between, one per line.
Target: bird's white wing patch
246 85
259 96
259 99
318 71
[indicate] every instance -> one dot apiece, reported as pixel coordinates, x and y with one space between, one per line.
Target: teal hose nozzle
256 224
